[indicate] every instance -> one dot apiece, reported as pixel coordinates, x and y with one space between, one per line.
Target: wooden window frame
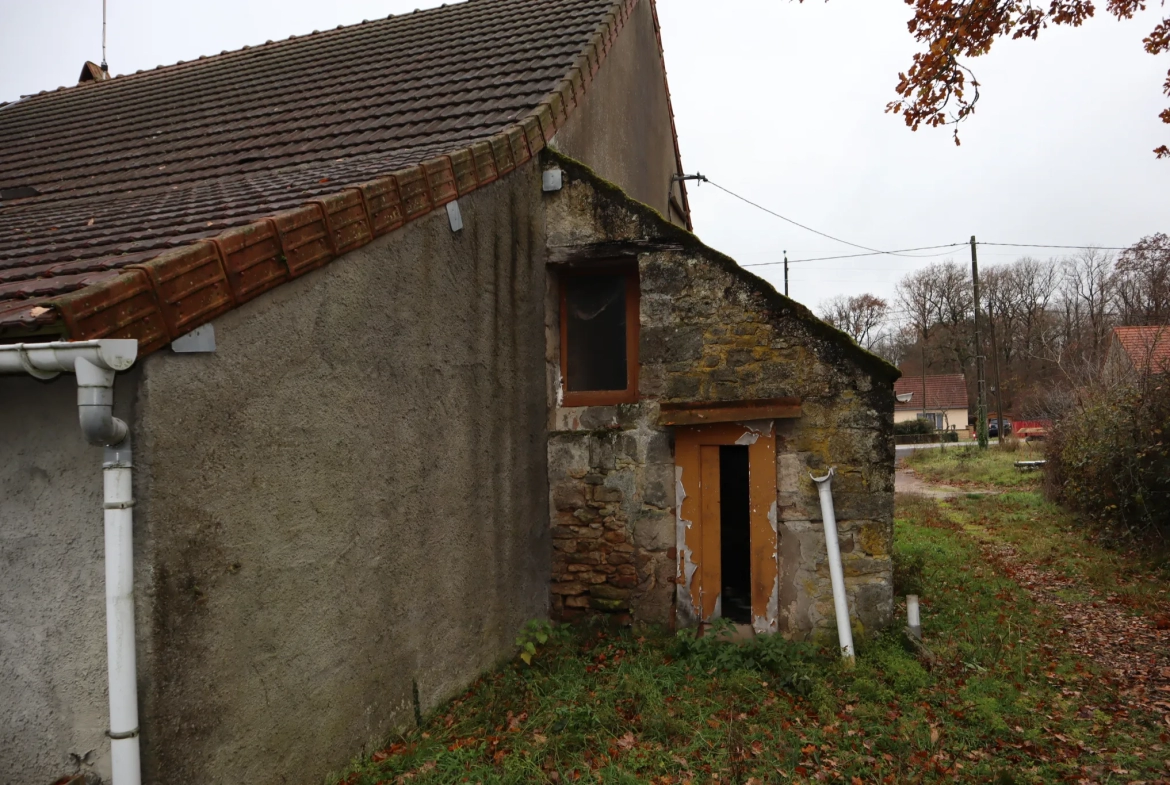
633 325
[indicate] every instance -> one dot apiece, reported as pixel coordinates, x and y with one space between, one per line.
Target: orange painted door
697 465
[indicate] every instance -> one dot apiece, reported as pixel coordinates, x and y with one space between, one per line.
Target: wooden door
697 465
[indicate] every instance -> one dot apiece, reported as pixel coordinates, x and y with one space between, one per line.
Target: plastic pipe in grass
836 571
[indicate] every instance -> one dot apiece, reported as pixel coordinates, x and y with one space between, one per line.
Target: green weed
967 465
1006 701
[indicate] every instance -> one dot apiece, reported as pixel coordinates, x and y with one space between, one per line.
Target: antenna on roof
105 68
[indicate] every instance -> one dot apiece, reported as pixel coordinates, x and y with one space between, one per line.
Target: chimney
92 72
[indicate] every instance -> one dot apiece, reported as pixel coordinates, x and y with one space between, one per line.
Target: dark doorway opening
734 534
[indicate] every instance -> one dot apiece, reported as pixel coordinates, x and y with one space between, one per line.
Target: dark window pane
596 332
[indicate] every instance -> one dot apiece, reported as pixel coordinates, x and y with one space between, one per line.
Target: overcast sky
784 104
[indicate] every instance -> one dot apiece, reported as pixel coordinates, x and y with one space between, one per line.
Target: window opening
599 333
934 418
596 327
734 536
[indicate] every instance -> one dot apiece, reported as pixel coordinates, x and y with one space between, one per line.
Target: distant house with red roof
944 402
1135 351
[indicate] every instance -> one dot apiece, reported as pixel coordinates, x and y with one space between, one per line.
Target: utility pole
998 382
922 347
786 273
981 389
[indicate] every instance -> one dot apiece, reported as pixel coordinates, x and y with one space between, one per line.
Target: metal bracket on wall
454 216
199 340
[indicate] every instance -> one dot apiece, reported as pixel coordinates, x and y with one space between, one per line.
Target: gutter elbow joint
95 405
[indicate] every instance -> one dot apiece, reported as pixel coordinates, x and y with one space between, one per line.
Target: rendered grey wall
622 130
53 708
349 495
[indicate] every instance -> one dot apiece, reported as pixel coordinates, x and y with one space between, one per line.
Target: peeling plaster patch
772 519
560 386
769 622
718 612
774 605
687 566
748 438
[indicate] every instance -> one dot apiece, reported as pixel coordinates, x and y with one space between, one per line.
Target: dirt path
907 481
1133 650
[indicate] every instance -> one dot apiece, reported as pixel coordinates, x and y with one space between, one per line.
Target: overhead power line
1073 247
856 255
907 252
873 251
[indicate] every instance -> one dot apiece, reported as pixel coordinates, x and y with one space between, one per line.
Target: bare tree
954 310
862 316
895 343
1088 294
1050 322
1036 283
1143 282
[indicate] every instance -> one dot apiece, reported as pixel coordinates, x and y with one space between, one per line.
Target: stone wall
710 331
612 506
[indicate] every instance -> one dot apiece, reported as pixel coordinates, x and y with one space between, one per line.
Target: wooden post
998 381
981 390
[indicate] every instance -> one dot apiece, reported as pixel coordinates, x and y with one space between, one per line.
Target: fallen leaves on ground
1132 649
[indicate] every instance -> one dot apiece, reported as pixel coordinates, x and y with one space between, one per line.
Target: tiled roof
301 150
1146 347
945 391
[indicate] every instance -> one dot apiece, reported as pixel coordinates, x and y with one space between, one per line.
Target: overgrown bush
1108 456
909 427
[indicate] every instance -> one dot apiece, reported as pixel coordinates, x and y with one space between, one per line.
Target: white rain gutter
836 572
95 363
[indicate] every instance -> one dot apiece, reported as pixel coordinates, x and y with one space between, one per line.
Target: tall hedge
1109 456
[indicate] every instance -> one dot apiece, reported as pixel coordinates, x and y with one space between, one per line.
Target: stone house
944 402
422 348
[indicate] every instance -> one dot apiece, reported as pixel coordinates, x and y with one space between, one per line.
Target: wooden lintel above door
700 412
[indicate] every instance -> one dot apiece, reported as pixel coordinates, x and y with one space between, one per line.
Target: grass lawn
1007 702
967 465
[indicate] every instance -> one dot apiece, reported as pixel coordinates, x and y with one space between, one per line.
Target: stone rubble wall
612 510
710 331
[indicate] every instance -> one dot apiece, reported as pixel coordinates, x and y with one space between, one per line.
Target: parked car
993 427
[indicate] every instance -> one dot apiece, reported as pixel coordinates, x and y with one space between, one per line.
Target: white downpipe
95 363
913 619
836 572
117 469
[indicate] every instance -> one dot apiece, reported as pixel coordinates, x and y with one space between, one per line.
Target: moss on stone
784 306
